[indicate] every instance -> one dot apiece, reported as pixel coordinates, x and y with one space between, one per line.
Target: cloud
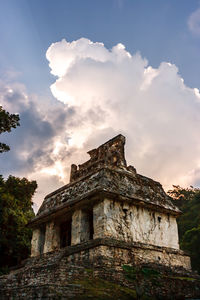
33 144
194 22
113 91
100 93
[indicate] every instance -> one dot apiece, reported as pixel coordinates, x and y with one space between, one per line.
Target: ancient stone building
105 201
106 218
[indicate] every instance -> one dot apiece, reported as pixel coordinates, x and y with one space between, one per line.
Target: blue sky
92 91
157 28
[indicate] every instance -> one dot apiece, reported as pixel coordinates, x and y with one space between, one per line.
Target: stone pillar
99 220
52 237
80 227
172 230
35 242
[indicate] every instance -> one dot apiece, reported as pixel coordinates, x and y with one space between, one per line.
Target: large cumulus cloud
113 91
100 93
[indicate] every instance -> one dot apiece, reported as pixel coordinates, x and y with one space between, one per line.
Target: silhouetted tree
7 122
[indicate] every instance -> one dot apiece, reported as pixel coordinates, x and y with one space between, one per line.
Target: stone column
52 237
99 220
35 242
80 227
172 231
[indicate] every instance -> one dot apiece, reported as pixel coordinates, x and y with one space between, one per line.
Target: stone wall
131 223
114 219
60 274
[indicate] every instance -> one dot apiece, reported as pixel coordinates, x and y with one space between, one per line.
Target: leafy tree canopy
15 212
188 201
7 122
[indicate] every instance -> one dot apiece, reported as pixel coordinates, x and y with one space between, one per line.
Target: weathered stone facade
107 216
107 199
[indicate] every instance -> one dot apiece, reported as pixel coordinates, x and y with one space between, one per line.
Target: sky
80 72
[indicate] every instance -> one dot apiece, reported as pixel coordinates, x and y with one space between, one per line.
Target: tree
15 212
188 201
7 122
191 243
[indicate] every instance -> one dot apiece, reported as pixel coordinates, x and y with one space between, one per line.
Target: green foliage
15 212
188 201
7 122
191 243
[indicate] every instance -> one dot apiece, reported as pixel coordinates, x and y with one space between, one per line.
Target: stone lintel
118 181
90 199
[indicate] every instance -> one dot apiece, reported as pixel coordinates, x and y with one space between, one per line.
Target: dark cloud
32 143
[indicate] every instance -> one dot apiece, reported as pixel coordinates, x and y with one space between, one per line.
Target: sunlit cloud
56 169
100 93
114 91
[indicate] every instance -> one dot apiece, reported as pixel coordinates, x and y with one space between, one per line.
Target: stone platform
78 272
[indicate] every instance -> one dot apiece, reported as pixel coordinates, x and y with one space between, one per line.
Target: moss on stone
102 289
88 271
182 278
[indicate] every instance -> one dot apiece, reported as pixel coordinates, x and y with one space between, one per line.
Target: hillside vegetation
188 201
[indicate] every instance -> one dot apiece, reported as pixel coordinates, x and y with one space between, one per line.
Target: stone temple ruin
108 216
107 204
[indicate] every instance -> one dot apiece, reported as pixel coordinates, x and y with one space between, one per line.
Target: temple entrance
65 233
91 226
41 239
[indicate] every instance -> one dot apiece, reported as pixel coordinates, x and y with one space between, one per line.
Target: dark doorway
65 233
91 227
42 239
